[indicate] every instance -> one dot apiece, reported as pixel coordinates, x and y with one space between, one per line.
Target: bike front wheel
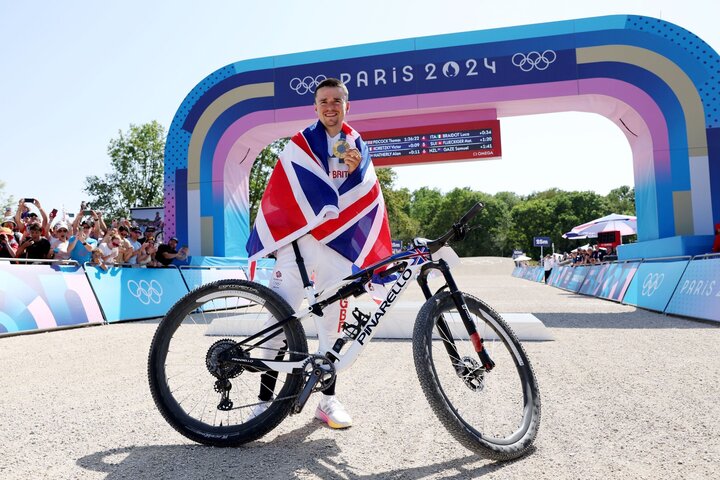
496 412
198 389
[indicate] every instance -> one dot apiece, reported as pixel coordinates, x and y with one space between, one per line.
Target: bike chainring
323 363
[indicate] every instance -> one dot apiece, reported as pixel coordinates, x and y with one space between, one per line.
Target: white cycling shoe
332 412
258 410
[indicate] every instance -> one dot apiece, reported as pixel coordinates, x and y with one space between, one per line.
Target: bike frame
415 263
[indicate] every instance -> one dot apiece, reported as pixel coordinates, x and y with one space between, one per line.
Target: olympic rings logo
534 59
651 283
301 86
145 291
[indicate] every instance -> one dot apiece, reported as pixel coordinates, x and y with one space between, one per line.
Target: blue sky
74 73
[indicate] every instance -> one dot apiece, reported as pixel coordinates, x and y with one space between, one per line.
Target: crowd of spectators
31 233
588 256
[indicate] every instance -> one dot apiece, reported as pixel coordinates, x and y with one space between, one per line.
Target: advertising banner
615 280
194 277
135 293
594 278
562 277
654 283
698 293
43 297
572 277
554 275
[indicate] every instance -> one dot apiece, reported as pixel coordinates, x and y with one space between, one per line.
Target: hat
9 220
136 229
149 228
60 225
5 231
173 238
32 214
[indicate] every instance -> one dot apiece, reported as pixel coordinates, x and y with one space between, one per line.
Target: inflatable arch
658 82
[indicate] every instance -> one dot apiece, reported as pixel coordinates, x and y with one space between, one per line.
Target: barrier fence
686 286
47 295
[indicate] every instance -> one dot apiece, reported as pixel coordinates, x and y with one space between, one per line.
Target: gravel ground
626 393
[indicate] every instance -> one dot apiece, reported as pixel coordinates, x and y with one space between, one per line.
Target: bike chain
288 397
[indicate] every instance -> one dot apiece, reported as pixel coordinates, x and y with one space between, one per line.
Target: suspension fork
462 308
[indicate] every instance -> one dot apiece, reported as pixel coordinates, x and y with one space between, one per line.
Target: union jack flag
300 198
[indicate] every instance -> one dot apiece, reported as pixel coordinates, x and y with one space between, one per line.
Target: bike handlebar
458 230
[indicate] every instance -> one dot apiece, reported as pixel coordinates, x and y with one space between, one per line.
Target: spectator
167 252
716 243
8 244
96 259
148 249
35 245
59 242
9 223
110 247
132 253
82 244
149 232
548 264
25 217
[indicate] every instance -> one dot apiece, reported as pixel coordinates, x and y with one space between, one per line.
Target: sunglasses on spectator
62 230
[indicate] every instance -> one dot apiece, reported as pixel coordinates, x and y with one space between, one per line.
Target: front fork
462 309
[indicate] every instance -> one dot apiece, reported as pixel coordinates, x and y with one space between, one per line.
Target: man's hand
352 159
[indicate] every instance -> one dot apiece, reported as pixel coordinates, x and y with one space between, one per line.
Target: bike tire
500 421
187 335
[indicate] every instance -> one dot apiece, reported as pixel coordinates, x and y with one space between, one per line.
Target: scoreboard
477 140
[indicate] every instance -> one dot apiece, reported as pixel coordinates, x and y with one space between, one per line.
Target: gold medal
341 148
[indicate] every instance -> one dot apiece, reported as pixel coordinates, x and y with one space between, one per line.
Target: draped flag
300 198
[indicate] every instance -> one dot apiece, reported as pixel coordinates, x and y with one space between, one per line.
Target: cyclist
322 204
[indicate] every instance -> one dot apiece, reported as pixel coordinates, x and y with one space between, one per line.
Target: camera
29 200
87 212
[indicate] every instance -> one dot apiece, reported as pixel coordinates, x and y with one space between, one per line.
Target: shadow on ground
287 456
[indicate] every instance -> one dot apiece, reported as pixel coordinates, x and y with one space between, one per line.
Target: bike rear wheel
198 391
495 413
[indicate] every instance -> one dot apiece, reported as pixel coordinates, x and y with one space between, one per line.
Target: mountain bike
472 368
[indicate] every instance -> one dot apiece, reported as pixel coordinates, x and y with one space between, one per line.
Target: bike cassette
216 363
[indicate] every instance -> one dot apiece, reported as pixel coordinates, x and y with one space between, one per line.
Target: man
324 197
167 252
82 244
34 246
548 264
131 254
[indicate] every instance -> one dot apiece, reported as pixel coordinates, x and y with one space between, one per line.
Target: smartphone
87 212
53 212
29 200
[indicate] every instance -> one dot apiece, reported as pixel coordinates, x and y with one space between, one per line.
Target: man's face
172 244
331 106
35 234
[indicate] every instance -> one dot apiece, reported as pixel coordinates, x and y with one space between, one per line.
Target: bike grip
471 213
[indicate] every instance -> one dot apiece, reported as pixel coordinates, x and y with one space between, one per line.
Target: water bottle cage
352 330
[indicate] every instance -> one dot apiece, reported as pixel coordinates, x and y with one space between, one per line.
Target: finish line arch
658 82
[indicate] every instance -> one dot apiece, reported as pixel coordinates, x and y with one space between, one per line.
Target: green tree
402 225
5 202
137 159
424 205
621 200
260 173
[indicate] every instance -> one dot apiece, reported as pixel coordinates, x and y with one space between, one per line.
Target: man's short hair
122 228
35 226
333 82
